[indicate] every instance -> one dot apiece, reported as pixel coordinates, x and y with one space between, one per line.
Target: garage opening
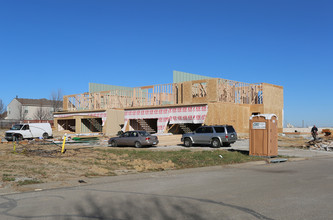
91 125
182 128
149 125
66 124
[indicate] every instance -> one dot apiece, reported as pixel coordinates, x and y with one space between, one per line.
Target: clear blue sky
46 45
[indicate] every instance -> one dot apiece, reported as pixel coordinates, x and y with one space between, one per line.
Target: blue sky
48 45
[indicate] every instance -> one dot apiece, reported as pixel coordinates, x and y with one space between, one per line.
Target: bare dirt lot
40 161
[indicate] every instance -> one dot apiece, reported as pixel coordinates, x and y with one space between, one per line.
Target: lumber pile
327 132
325 144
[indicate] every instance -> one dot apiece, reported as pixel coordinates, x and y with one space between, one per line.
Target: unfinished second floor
190 92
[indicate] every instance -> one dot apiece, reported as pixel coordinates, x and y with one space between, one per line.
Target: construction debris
327 132
325 144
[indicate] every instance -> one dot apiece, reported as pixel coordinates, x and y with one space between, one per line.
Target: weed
111 174
183 158
38 171
28 182
7 177
71 161
88 174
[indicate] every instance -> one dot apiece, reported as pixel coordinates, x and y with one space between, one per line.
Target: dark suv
214 135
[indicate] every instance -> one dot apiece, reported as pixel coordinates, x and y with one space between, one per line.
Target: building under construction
182 106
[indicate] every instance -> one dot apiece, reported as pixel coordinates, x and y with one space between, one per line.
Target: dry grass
292 141
34 163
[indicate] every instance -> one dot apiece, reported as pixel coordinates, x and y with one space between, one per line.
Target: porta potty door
263 135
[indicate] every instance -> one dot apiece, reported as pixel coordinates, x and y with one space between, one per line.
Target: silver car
133 138
214 135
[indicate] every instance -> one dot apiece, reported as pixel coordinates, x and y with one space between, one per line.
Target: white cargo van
29 130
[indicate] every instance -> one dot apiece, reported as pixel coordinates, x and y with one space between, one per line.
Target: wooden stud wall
238 92
191 92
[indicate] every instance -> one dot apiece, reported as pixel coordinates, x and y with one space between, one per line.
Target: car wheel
187 142
216 143
113 144
226 144
45 136
18 137
137 144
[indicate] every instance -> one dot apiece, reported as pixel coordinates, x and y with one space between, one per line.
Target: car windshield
144 133
16 127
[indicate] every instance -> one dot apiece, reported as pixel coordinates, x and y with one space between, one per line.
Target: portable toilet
263 135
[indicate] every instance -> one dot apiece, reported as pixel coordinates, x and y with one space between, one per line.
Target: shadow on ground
137 207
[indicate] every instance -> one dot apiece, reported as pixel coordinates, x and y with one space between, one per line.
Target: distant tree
56 98
2 109
41 113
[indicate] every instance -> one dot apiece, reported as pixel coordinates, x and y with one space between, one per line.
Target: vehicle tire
18 137
45 136
113 144
226 144
216 143
187 142
137 144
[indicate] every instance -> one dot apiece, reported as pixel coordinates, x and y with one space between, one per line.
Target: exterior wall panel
179 77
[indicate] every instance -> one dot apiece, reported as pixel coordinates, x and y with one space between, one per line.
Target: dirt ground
36 161
41 161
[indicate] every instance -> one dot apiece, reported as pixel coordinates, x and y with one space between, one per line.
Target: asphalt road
290 190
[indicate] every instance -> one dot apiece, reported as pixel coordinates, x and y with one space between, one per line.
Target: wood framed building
175 107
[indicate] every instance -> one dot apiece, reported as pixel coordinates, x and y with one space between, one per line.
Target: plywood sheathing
187 92
114 118
273 102
202 91
257 109
229 113
212 90
237 115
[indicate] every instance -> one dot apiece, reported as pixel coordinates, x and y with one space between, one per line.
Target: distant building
32 109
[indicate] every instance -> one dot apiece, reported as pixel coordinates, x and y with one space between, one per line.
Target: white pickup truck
29 130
